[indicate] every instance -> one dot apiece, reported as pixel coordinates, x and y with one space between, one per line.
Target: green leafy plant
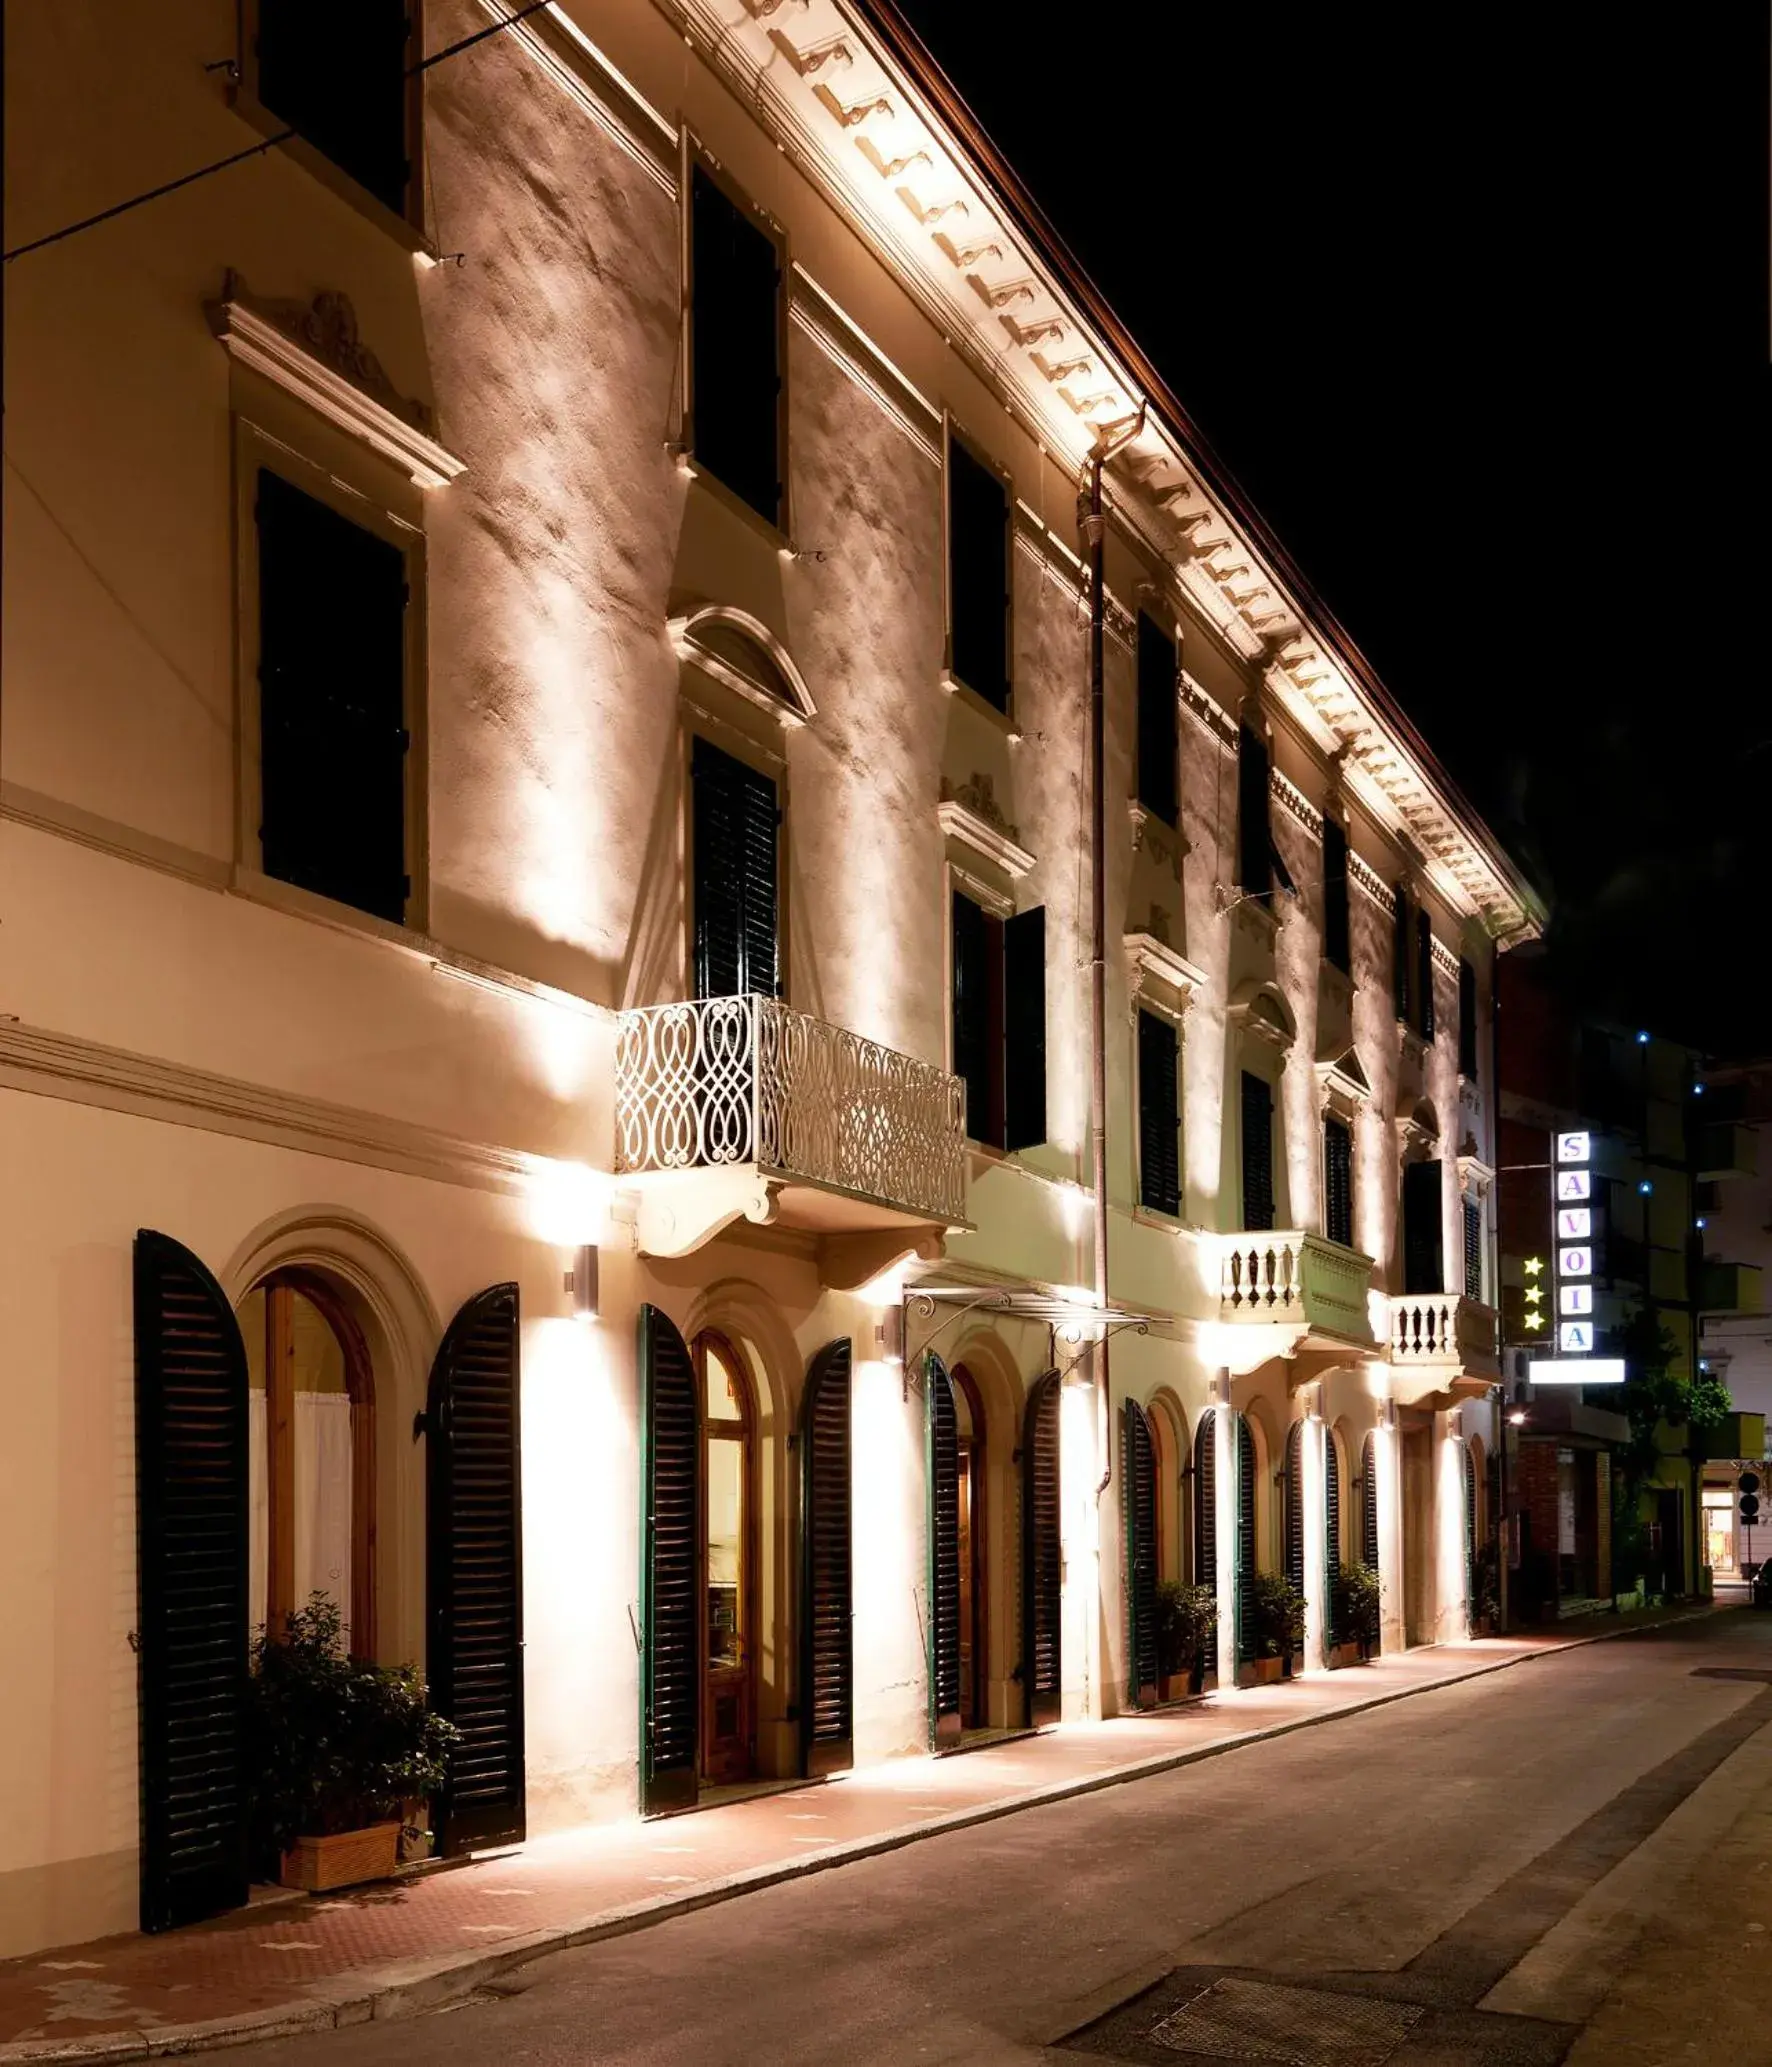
1187 1616
333 1744
1486 1585
1273 1611
1355 1592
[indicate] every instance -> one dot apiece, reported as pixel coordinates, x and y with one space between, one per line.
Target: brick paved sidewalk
305 1961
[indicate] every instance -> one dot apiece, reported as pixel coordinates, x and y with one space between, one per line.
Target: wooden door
942 1480
1042 1554
670 1608
1138 1496
827 1592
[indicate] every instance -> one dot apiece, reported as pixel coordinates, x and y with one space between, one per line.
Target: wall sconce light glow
889 1337
886 1289
582 1281
569 1204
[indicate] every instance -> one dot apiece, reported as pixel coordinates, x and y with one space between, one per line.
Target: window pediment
740 652
1344 1085
1260 1010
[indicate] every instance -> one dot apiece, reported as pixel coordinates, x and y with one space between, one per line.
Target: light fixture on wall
582 1282
889 1336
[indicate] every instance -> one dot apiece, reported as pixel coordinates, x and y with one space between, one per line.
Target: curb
419 1985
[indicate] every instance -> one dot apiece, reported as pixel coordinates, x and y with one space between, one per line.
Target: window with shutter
978 1011
1331 1528
1469 1476
474 1534
1473 1248
978 575
191 1520
1467 1020
1337 915
1295 1504
1206 1501
337 73
1400 954
1024 1029
1157 770
1258 1152
827 1669
735 321
332 602
670 1568
1139 1497
1369 1503
735 827
1255 871
1424 976
1159 1123
1338 1181
1423 1254
1246 1546
942 1478
1042 1553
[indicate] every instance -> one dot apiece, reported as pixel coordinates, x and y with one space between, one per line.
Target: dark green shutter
1159 1123
1469 1480
670 1568
191 1521
1424 975
1258 1152
1400 952
1337 944
1255 843
978 575
1294 1510
1423 1237
735 347
1331 1530
474 1536
1245 1537
1206 1501
735 831
1338 1182
1024 1029
1042 1553
978 1016
1473 1249
337 75
332 726
827 1611
1467 1020
1138 1497
941 1444
1156 720
1369 1503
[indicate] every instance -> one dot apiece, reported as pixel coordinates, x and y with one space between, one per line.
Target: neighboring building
547 738
1734 1201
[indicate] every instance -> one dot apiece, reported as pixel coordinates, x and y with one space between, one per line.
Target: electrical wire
258 150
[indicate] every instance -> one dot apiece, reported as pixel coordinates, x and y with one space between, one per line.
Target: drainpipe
1094 529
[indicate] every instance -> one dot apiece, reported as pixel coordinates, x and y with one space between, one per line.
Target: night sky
1475 307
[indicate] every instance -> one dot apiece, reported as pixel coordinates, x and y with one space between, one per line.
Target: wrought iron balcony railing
1444 1328
1297 1277
718 1082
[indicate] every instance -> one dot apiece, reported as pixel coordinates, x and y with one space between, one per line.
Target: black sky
1474 304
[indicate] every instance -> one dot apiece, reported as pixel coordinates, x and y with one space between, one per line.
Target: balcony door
735 822
728 1564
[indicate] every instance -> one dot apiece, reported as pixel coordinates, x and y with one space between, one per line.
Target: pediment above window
1162 979
973 819
1418 1130
1260 1010
740 652
1344 1085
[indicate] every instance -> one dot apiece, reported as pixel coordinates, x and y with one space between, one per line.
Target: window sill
392 224
970 699
328 911
1155 1217
730 500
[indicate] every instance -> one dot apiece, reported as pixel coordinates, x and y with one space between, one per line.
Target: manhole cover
1302 2027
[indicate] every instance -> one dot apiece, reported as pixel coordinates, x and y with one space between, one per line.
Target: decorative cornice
574 63
1152 959
1297 803
1260 1010
1444 958
1366 878
314 352
1343 1086
972 815
855 354
693 633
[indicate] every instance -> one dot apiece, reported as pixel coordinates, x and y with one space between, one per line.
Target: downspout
1094 529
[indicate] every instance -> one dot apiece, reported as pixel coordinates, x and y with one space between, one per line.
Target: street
1444 1900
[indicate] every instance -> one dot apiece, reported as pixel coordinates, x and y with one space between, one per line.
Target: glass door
728 1677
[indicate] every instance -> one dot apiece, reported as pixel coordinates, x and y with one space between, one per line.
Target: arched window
728 1563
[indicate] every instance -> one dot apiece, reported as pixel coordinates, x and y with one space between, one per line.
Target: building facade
547 1051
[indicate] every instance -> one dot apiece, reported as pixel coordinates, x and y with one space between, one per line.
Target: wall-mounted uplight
889 1336
582 1282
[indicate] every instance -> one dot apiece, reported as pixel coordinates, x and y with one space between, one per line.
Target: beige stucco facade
419 1112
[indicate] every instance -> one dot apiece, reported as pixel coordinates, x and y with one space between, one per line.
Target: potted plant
338 1751
1273 1611
1356 1613
1486 1589
1187 1617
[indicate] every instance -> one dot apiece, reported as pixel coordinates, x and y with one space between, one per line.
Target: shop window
1157 743
999 1022
735 347
339 73
978 575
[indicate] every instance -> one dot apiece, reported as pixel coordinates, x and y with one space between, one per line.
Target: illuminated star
1535 1320
1533 1265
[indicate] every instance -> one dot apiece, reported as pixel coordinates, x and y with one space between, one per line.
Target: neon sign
1573 1231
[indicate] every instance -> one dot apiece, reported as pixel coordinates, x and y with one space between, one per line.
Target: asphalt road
1457 1879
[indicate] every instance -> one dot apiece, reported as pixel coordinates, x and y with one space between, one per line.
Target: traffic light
1749 1486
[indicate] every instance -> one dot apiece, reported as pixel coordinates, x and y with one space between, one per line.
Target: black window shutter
1423 1252
978 576
1156 720
1467 1019
1400 952
1159 1125
827 1670
942 1478
1424 975
1024 1029
978 1017
1255 844
335 72
670 1568
1473 1248
1139 1496
1245 1537
332 696
1337 943
191 1519
1258 1152
1206 1501
1369 1503
1042 1553
735 827
1331 1529
1470 1530
474 1585
735 347
1295 1504
1338 1182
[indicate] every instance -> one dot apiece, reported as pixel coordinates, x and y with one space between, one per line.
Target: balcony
1298 1280
730 1107
1726 1150
1729 1288
1444 1335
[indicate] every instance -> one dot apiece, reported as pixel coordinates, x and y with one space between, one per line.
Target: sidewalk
306 1962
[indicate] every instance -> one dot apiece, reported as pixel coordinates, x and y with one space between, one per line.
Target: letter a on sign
1573 1184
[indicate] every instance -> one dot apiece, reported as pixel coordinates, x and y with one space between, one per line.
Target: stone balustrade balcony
1444 1331
1294 1278
737 1105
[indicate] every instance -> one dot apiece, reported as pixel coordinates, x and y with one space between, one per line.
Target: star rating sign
1534 1266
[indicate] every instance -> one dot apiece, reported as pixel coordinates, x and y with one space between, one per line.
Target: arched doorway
727 1562
311 1455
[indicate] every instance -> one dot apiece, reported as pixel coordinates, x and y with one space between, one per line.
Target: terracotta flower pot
1261 1672
1346 1654
342 1861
